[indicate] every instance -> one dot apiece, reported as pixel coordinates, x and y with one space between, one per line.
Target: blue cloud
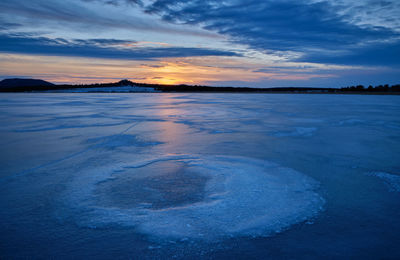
53 15
310 28
97 48
117 2
377 54
5 25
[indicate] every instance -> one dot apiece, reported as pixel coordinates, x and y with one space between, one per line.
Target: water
199 176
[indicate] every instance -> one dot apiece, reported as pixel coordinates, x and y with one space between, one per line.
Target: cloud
5 25
99 42
97 48
309 28
117 2
79 15
378 54
382 13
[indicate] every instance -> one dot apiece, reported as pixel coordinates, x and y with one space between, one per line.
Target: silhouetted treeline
29 85
379 88
351 89
197 88
202 88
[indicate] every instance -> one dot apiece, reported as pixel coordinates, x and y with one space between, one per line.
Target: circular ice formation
195 197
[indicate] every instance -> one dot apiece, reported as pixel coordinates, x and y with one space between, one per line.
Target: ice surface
198 197
189 176
298 131
391 180
120 140
120 89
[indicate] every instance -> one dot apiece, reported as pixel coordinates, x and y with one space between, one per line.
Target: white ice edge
391 180
245 197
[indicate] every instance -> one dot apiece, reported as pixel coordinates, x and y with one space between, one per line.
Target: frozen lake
199 175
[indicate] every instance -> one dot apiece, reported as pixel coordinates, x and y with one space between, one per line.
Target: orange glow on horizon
169 71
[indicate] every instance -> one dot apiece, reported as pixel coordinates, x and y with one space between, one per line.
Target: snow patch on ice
375 123
350 122
121 140
392 181
307 120
217 197
121 89
298 131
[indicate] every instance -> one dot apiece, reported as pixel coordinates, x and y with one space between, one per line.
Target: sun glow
170 71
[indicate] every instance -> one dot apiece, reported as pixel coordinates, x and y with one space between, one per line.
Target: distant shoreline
126 86
208 92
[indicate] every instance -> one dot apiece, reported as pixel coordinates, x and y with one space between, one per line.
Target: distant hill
29 85
11 83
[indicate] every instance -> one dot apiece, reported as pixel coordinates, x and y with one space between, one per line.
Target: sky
248 43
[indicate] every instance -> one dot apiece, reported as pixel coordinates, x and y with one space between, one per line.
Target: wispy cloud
83 15
310 28
117 2
97 48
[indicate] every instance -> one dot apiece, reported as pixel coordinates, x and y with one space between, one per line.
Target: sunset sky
254 43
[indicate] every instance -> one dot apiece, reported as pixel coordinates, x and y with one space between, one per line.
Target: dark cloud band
311 28
97 48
